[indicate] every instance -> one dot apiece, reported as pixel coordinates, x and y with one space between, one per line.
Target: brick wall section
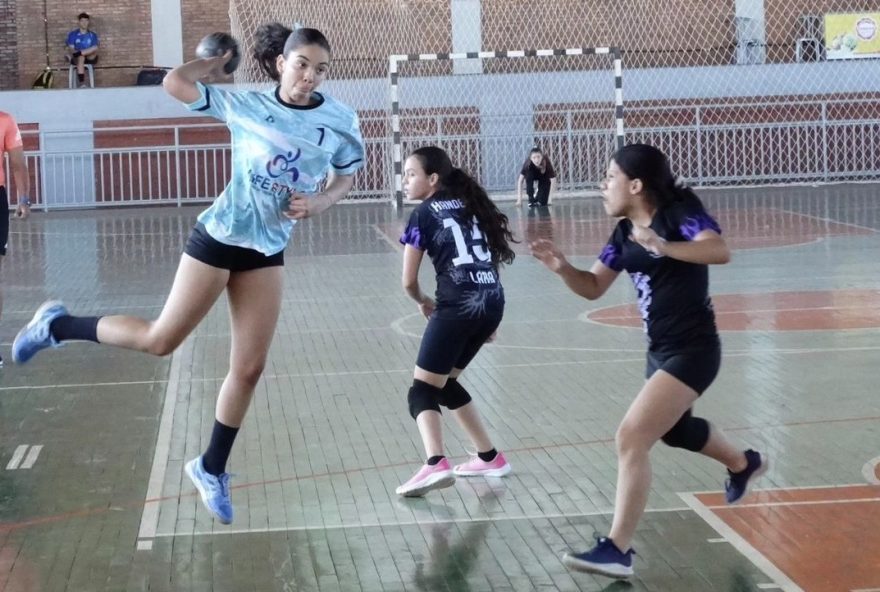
364 32
123 26
8 51
200 17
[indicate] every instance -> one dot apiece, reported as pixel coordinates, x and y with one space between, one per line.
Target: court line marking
31 457
150 515
857 500
727 354
387 239
16 457
832 221
734 538
787 488
869 470
394 524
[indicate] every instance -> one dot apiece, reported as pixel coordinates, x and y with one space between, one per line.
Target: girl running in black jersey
665 241
466 237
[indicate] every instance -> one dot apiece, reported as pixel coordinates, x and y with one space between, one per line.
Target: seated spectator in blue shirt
83 46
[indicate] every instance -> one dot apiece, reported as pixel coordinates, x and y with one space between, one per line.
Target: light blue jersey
277 149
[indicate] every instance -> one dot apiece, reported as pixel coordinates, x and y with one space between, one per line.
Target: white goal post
487 115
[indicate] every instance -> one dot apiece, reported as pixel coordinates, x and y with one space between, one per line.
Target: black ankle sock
435 459
488 456
66 328
215 457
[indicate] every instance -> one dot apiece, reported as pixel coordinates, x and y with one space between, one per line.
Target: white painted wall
167 33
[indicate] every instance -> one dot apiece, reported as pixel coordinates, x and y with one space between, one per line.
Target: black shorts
4 219
696 368
453 343
208 250
89 59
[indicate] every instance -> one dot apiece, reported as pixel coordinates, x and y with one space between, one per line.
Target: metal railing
185 164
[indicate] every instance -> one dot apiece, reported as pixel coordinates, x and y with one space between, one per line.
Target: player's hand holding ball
221 47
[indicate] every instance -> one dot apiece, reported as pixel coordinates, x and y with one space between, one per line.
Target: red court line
825 539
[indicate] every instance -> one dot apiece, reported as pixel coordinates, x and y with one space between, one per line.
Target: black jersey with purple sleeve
673 295
468 285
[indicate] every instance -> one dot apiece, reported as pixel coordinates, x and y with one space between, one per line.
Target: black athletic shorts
208 250
453 343
4 219
697 368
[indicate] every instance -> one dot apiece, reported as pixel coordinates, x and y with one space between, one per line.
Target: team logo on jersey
283 165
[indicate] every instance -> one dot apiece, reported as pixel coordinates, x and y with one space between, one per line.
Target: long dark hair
274 39
475 199
651 166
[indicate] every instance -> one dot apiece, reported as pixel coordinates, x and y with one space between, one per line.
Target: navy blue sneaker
603 559
214 490
737 485
36 336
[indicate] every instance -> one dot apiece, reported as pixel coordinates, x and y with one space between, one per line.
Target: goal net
736 92
488 110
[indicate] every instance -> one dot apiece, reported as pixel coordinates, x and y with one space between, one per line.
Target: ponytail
269 40
479 205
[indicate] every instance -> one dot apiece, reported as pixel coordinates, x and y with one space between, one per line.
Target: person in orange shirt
10 141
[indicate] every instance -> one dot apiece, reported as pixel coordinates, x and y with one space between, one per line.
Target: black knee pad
690 433
423 397
454 395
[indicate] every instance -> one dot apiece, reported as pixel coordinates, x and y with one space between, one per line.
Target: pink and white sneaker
428 477
476 467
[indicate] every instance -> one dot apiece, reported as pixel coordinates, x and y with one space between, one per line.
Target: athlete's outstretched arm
589 284
706 248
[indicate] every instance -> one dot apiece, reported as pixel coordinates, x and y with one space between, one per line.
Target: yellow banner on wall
852 35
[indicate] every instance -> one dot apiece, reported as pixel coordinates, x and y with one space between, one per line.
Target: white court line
640 358
869 470
16 457
759 560
604 512
31 457
394 244
858 500
381 371
150 516
823 219
27 387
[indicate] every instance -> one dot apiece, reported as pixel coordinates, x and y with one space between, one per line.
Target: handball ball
217 44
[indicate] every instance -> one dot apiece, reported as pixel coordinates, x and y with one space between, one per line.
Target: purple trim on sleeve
609 257
694 225
413 237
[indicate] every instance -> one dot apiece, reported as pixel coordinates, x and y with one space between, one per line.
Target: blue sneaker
603 559
737 485
36 335
214 490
